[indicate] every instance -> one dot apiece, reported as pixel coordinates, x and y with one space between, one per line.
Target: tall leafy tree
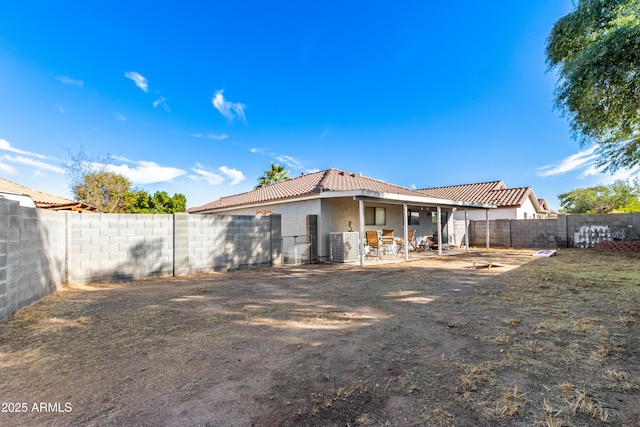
596 51
107 191
92 182
159 202
275 174
617 197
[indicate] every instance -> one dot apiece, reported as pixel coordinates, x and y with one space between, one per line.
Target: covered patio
412 209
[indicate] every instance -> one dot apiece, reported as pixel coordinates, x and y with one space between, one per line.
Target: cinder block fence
42 250
567 231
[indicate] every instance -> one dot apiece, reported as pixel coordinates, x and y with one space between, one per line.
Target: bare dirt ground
538 342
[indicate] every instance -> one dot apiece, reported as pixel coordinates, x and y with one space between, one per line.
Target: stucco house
511 203
39 199
335 201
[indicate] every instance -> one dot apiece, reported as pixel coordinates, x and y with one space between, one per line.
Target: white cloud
235 175
289 161
60 108
608 178
7 168
211 177
122 159
161 102
138 79
229 110
120 117
213 136
6 146
69 81
36 163
583 159
145 172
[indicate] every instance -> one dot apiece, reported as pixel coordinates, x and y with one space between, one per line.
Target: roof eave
419 200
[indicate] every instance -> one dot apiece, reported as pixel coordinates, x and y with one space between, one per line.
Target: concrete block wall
119 247
42 250
32 255
585 231
239 242
567 231
534 233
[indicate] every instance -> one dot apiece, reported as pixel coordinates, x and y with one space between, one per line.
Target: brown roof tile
494 192
40 198
313 183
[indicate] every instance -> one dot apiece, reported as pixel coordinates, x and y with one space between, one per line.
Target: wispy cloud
289 161
6 168
60 108
235 175
608 178
229 110
6 146
161 102
145 172
583 159
213 136
69 81
35 163
120 117
210 177
138 79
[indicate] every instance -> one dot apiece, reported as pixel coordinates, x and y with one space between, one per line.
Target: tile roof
306 185
40 198
494 192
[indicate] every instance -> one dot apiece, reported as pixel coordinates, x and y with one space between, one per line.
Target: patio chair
387 242
431 244
372 244
409 241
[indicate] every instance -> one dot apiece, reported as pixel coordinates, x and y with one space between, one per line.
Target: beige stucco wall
334 215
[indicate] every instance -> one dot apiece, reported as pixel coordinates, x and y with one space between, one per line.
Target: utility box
344 246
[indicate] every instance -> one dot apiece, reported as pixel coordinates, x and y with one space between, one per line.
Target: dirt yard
537 342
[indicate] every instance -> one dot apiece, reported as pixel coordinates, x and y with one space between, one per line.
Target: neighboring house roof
494 192
330 180
42 199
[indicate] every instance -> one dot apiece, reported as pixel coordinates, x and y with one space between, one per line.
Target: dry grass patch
543 341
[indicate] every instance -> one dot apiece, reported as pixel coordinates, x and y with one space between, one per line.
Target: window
414 217
375 216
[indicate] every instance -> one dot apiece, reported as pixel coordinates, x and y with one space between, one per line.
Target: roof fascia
417 200
361 195
260 204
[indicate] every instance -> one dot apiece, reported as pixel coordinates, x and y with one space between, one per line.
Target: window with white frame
375 216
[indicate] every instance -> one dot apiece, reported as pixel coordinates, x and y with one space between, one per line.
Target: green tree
107 191
596 51
159 202
275 174
617 197
93 183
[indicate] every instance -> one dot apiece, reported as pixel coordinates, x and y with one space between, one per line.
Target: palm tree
275 174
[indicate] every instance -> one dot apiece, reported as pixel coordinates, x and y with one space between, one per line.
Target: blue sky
200 97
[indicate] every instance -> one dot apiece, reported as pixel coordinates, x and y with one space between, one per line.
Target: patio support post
405 225
439 213
466 231
487 228
361 214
